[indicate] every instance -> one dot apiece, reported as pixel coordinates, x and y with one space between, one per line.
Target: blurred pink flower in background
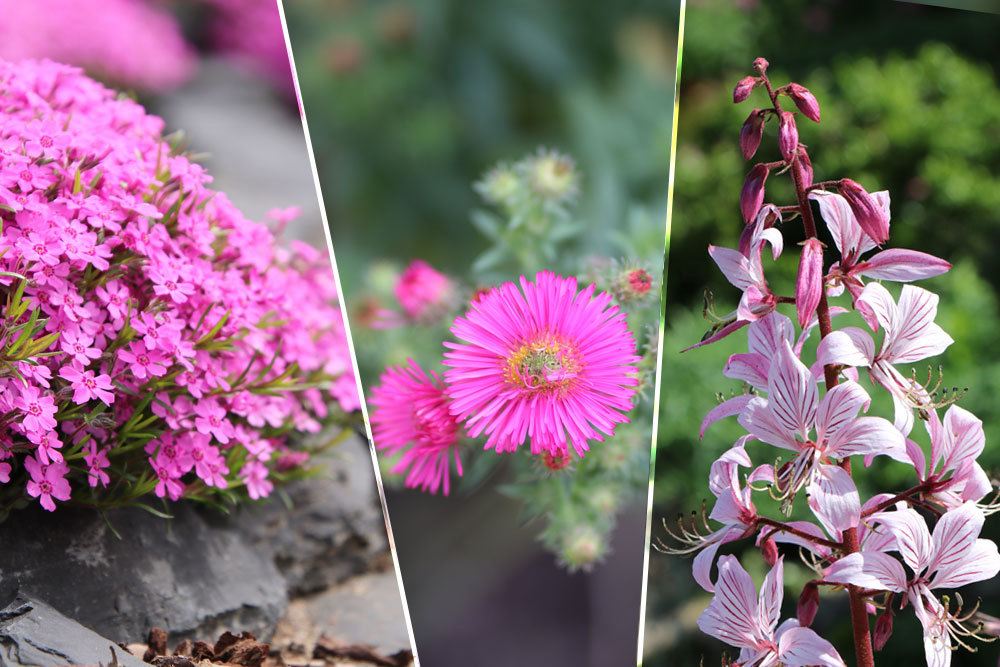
130 43
421 289
250 30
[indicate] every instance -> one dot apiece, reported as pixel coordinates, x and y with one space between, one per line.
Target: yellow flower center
544 364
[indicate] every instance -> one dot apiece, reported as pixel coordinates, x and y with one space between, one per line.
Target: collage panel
185 476
495 180
825 465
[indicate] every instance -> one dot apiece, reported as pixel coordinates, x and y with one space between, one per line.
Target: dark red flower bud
883 630
808 604
803 167
751 133
788 135
770 551
872 219
744 88
760 65
752 195
804 100
809 284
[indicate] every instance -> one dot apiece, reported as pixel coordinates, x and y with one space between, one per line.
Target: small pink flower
38 410
144 363
211 420
48 482
254 475
168 484
421 289
97 464
88 386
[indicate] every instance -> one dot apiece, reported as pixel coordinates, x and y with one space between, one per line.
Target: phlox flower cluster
538 362
130 43
896 552
153 339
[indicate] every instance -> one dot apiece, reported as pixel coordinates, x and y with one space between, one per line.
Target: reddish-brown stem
780 527
923 487
863 652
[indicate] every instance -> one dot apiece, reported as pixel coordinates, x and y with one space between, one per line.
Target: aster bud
809 284
808 604
760 65
744 88
803 168
770 551
872 219
751 133
883 630
804 100
752 195
788 135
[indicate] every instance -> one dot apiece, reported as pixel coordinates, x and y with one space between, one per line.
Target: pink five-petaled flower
144 363
47 482
39 410
254 474
168 482
97 464
87 385
545 362
740 617
910 336
422 290
410 416
952 557
787 419
895 264
211 419
954 471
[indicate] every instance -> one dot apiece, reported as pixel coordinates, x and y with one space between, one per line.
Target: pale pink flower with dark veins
734 509
410 416
791 413
545 362
952 557
895 264
910 336
955 446
740 617
421 289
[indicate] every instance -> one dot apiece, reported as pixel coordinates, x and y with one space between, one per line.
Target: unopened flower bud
552 175
752 195
751 133
769 549
804 100
883 630
808 604
802 166
809 284
788 135
744 88
582 547
872 219
760 65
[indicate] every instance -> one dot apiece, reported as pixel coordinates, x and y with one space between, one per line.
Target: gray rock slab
194 574
33 633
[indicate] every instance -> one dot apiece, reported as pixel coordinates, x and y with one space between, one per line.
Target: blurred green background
910 103
408 104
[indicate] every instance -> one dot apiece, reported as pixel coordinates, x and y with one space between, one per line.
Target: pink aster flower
422 290
544 362
410 416
952 557
740 617
911 335
48 482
